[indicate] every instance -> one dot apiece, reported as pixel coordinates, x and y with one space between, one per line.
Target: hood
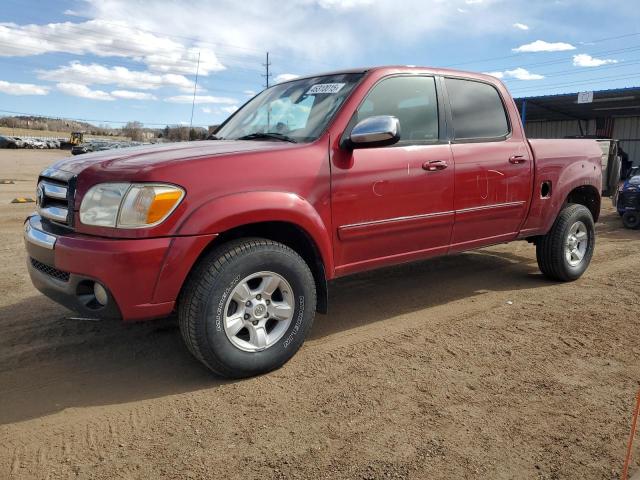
135 159
632 184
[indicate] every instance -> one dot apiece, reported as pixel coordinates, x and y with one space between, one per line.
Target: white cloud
461 10
230 109
584 60
251 93
107 38
523 74
206 110
471 2
344 4
129 95
542 46
201 99
22 88
242 32
79 90
285 77
72 13
517 73
90 74
521 26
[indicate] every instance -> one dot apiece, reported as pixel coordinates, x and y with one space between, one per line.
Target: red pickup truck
310 180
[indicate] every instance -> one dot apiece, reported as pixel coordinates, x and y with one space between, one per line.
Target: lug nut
255 322
268 302
258 297
248 304
247 316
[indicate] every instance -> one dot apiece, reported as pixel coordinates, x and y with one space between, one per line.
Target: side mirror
378 131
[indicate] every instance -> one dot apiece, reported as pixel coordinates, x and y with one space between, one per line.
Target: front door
394 203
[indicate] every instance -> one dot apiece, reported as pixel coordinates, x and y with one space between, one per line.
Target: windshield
296 111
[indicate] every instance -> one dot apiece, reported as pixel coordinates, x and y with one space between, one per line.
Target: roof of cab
412 68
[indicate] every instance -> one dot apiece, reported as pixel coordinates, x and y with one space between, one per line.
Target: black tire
205 294
631 219
550 249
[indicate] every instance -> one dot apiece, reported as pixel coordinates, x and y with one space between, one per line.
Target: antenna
267 75
195 87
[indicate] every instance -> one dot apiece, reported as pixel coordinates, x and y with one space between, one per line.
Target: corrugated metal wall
625 129
558 129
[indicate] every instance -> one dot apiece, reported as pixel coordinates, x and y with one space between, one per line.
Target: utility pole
267 75
195 87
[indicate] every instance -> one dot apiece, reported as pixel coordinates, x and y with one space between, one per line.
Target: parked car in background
100 145
29 142
17 142
6 142
312 179
628 200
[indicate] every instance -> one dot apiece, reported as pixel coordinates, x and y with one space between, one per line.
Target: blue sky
112 61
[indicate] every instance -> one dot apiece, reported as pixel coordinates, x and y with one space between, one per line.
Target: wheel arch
588 196
294 237
279 216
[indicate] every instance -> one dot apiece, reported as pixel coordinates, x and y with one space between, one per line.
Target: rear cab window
477 111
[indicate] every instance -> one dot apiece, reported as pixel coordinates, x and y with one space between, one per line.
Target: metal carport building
611 113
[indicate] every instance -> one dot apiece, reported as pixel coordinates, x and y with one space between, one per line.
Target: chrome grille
54 196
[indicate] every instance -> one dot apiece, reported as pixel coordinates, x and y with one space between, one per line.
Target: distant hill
57 125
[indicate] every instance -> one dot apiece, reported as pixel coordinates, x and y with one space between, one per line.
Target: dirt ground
423 371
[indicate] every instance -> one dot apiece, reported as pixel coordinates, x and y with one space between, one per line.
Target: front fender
224 213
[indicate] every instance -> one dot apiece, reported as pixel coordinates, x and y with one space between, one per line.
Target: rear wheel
565 252
631 219
247 307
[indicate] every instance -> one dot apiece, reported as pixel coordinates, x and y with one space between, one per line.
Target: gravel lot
419 371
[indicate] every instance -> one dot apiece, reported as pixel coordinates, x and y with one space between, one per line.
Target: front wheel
565 252
247 307
631 219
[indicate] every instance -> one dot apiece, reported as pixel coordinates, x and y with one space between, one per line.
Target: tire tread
201 280
550 247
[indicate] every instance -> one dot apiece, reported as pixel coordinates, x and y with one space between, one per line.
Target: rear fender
565 174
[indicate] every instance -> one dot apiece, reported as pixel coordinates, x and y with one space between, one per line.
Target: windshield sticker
325 88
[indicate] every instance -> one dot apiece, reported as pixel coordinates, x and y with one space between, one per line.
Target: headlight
129 205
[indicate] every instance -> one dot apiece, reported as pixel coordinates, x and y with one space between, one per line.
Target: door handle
516 159
434 165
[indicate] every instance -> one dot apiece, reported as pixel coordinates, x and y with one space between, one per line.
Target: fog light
100 293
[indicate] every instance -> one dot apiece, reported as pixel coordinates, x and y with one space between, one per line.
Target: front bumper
142 277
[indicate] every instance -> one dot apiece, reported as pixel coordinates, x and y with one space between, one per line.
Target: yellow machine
76 138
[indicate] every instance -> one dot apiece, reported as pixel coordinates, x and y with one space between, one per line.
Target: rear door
493 167
395 202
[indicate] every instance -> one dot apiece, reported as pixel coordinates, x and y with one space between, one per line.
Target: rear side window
477 110
412 100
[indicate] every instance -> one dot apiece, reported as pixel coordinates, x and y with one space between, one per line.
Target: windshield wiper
263 135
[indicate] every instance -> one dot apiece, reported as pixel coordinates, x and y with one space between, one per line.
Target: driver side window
412 100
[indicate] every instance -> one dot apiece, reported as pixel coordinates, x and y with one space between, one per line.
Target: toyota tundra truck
310 180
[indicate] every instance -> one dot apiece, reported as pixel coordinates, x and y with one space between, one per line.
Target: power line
576 72
483 60
583 82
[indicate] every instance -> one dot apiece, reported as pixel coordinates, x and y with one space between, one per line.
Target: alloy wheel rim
259 311
576 243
